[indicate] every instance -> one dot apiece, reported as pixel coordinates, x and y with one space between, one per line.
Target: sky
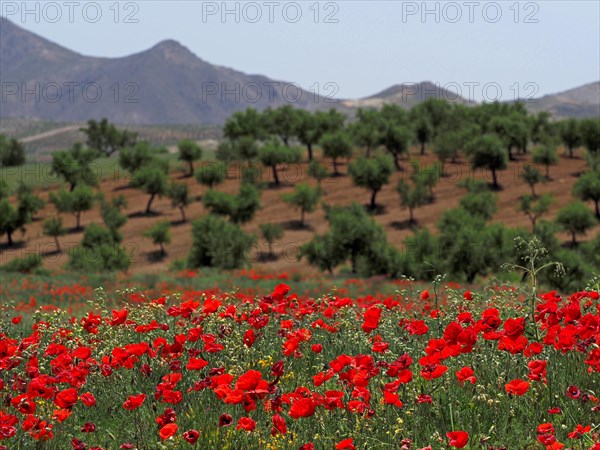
348 49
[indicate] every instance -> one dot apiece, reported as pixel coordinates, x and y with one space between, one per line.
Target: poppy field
424 367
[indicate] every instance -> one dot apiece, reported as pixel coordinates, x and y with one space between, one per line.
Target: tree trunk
78 224
182 209
302 217
411 216
396 162
547 171
271 250
191 163
373 197
286 140
573 238
353 262
275 176
310 152
571 151
598 208
57 244
422 148
533 190
335 167
9 237
72 187
368 152
495 178
510 153
149 205
162 249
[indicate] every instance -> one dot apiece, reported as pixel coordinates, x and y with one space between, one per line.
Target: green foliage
336 145
12 152
218 243
590 135
244 123
153 181
353 235
30 263
367 128
160 233
532 176
9 220
535 207
54 228
512 129
488 152
479 203
105 137
28 203
587 187
240 208
304 197
75 166
270 233
273 154
372 174
112 216
545 154
396 139
98 252
570 134
211 174
179 195
318 171
412 196
575 218
226 152
189 151
134 158
75 202
420 257
282 121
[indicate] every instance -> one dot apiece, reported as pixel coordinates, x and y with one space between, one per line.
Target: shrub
218 243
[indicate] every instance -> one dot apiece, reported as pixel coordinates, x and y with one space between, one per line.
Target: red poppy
425 295
346 444
457 439
466 374
279 425
371 319
246 424
66 399
196 364
168 431
303 407
134 401
516 387
191 436
87 399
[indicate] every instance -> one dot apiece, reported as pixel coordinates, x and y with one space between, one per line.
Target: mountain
407 96
583 101
166 84
169 85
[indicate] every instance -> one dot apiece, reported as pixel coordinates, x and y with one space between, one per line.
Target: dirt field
338 191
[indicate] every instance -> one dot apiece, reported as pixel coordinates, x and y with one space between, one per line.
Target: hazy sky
482 49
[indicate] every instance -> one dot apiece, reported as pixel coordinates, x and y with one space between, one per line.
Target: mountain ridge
169 84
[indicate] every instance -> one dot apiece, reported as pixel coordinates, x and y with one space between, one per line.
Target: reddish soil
338 191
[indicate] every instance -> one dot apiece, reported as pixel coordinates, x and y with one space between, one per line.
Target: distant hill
166 84
169 85
407 96
580 102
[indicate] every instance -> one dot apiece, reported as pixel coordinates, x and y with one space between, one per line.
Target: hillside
168 84
580 102
338 191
